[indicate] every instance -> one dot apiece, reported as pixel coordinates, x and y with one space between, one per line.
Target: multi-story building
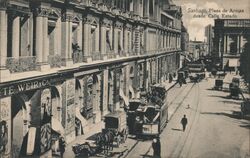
184 46
230 37
67 63
209 34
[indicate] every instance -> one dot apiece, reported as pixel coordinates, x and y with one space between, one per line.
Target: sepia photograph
124 78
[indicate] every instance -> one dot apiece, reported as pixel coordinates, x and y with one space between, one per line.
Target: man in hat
184 122
156 145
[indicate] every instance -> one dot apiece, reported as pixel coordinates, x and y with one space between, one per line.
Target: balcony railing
111 55
21 64
55 60
77 57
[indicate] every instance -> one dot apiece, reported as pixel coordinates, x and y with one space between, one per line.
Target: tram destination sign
18 87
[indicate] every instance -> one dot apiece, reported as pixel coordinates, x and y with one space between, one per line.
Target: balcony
21 64
55 60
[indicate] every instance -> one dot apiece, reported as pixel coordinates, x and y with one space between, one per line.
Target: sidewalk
123 149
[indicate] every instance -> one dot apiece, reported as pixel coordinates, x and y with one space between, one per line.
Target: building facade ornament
43 11
118 25
90 20
67 16
106 22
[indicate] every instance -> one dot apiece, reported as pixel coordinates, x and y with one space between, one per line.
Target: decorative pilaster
42 45
3 38
15 37
117 27
66 53
4 73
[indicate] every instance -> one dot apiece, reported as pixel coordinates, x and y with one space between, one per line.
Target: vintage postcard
125 78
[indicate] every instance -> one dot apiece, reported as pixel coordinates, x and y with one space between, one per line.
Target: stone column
228 44
58 36
86 38
146 35
103 40
136 7
79 35
240 43
45 40
3 38
39 39
97 39
137 39
146 8
225 44
15 37
125 46
66 52
115 40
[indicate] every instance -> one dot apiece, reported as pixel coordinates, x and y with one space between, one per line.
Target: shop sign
26 86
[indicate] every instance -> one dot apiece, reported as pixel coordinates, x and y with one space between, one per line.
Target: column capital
118 25
90 20
106 22
3 4
67 16
128 27
43 12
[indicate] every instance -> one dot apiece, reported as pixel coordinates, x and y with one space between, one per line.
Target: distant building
209 34
230 36
184 45
197 49
65 64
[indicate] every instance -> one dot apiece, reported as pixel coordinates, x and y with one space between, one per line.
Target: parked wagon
234 88
218 84
245 108
116 123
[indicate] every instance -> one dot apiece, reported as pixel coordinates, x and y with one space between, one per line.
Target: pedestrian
156 145
184 122
62 145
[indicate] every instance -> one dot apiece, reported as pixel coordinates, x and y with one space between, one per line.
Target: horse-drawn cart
116 122
86 149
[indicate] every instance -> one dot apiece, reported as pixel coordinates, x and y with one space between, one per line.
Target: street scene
124 78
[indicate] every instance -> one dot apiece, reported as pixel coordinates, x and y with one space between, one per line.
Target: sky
199 13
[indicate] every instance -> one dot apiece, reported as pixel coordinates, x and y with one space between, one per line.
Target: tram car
152 118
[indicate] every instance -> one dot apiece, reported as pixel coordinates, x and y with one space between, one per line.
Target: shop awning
57 126
79 116
233 62
123 96
131 89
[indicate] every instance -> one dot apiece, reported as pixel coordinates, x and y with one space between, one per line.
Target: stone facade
66 64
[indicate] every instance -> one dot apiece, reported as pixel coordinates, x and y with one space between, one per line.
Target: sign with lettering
19 87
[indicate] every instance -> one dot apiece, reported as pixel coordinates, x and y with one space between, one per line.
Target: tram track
179 104
179 151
